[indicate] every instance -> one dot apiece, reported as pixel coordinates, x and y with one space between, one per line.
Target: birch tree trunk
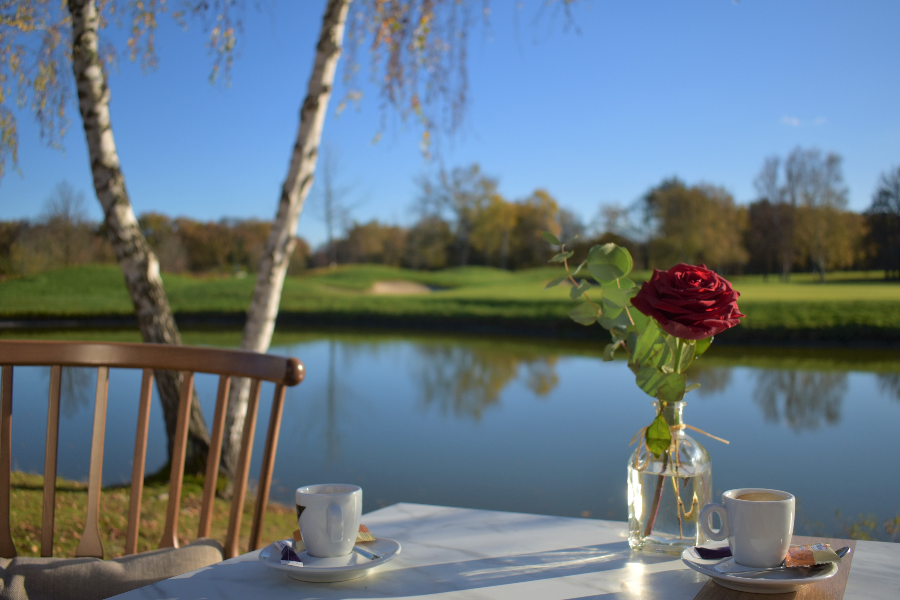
139 265
280 244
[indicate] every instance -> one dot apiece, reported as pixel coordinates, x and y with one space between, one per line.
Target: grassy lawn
851 299
71 505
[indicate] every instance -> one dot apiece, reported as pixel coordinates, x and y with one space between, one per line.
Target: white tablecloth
465 553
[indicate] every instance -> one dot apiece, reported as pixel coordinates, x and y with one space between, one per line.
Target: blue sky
645 90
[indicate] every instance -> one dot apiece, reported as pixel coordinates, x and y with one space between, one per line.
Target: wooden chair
148 357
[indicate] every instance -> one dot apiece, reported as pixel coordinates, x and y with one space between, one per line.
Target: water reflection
889 384
75 388
712 380
466 381
804 399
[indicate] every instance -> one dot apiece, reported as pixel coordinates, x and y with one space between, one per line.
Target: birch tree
137 260
42 42
417 51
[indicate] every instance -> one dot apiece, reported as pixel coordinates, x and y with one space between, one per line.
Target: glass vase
667 492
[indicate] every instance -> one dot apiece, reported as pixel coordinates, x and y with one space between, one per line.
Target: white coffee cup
757 522
328 516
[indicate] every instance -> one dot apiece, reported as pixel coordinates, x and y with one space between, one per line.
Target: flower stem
660 481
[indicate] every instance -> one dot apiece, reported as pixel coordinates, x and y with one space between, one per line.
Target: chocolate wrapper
810 556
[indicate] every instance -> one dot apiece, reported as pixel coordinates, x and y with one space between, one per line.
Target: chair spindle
243 470
268 464
179 453
91 544
51 453
139 463
214 457
7 547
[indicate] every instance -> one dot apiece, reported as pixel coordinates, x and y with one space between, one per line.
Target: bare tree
330 198
884 222
68 228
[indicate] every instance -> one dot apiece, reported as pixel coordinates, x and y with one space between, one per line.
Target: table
466 553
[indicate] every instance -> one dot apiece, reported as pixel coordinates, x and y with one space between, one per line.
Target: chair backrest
149 357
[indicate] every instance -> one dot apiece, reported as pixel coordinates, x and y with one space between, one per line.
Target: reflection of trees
889 383
466 381
803 398
74 389
712 380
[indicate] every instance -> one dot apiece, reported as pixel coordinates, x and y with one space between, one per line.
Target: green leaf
610 309
572 239
649 380
555 282
609 262
672 388
615 296
703 345
640 320
658 435
687 355
577 290
551 239
620 320
584 313
625 283
609 352
578 270
691 387
561 257
649 344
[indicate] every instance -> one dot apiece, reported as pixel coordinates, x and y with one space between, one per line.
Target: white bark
139 265
280 245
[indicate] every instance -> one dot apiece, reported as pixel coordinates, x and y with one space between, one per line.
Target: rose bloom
689 302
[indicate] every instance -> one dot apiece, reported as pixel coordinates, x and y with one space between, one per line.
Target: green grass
26 505
852 301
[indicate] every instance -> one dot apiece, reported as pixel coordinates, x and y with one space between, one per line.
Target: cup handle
722 533
334 523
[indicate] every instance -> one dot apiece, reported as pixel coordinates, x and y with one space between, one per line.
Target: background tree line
799 221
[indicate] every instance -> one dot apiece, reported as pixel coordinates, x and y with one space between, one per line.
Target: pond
515 425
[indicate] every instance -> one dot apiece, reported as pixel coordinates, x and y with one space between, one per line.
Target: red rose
689 302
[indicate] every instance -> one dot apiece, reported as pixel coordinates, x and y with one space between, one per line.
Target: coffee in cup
328 517
758 524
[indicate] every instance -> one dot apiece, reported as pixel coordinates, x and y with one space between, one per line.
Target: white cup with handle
328 516
757 522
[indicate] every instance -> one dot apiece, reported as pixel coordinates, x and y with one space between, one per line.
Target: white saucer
328 570
776 582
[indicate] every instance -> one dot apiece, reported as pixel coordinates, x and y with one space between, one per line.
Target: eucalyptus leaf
672 388
625 283
584 313
552 239
658 435
577 290
572 239
562 256
620 320
615 296
610 261
649 380
610 309
691 387
555 282
578 270
609 352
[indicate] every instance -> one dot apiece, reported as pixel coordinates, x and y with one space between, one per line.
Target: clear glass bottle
666 493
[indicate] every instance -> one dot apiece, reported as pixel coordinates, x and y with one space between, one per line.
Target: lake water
535 427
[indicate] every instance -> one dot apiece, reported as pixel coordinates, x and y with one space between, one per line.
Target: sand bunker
398 287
